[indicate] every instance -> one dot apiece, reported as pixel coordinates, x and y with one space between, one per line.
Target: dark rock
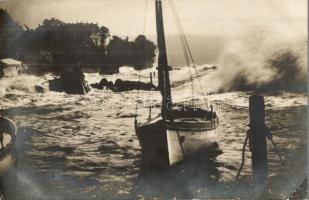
121 86
109 70
110 85
97 86
71 82
103 84
39 89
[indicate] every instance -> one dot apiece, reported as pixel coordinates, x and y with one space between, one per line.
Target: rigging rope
187 47
184 47
242 156
137 99
139 72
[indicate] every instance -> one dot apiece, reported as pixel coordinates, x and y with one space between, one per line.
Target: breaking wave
260 60
21 83
263 61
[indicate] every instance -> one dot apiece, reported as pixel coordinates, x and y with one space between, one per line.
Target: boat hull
163 144
153 142
186 144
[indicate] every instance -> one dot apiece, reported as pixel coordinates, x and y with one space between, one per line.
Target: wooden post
149 117
258 131
150 77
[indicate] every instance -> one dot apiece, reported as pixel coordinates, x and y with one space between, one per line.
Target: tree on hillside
139 53
104 32
55 46
9 32
144 52
119 52
67 43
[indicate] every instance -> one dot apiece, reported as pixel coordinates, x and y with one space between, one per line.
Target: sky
126 17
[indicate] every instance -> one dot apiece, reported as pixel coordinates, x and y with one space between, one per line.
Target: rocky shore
122 85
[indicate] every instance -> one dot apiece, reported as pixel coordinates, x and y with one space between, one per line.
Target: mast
163 68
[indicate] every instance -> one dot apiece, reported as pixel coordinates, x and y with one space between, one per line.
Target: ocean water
85 147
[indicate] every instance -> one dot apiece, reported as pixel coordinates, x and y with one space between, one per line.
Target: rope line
139 72
276 150
242 157
184 47
137 99
187 47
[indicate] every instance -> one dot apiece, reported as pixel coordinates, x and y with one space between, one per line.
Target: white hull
165 144
188 144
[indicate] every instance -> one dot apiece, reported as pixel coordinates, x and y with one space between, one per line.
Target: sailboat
178 133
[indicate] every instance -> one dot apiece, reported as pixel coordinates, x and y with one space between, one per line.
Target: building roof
10 61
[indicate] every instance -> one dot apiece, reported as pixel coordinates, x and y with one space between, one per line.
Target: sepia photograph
153 99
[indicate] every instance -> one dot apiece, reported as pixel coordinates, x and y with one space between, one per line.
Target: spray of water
263 59
21 83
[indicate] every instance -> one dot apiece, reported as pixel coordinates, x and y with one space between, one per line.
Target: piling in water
258 132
